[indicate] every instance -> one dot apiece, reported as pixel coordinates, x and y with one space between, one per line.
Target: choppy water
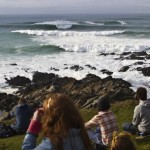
37 43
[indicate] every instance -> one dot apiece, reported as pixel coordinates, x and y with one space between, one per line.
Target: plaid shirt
107 123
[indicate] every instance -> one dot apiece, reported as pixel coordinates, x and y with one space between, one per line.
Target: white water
60 24
85 47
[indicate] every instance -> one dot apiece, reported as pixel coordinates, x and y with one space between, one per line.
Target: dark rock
84 92
135 57
112 53
103 54
143 53
54 69
18 81
43 78
139 63
126 53
148 56
146 71
14 64
106 72
139 68
138 55
89 66
124 69
76 68
7 102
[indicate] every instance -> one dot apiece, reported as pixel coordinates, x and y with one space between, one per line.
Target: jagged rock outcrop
7 101
85 92
18 81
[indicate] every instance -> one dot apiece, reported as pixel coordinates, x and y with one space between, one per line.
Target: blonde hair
60 114
122 141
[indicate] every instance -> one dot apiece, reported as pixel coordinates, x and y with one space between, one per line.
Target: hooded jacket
141 117
22 114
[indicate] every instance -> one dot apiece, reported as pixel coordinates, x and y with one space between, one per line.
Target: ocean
54 43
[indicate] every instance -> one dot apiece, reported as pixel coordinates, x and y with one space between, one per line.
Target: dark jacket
22 114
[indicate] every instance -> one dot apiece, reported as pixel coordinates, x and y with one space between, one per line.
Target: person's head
122 141
141 93
61 114
103 104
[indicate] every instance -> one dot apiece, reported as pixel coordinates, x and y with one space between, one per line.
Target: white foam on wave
69 33
122 22
60 24
93 23
89 42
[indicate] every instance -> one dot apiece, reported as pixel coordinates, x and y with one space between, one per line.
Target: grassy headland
122 110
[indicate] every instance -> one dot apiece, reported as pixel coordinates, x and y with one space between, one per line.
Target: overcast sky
73 6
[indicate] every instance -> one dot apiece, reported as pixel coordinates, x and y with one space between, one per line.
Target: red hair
60 114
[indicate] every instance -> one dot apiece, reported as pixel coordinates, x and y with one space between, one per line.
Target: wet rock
106 72
84 92
7 101
89 66
54 69
18 81
14 64
148 56
124 69
139 63
43 78
146 71
76 68
126 53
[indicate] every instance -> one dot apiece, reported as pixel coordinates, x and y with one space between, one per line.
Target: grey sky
73 6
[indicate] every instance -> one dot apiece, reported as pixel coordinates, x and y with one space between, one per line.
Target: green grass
122 110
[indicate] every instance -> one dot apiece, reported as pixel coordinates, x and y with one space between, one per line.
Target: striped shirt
107 123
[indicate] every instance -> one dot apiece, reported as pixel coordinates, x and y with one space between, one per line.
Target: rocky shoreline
84 92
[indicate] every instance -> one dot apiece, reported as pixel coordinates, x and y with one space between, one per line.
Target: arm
136 117
93 122
34 129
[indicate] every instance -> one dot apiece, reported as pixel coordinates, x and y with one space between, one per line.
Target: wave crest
60 24
68 33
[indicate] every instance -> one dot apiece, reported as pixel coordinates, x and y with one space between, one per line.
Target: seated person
61 124
22 114
141 118
122 141
105 120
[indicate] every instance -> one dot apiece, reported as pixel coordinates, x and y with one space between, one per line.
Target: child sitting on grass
105 120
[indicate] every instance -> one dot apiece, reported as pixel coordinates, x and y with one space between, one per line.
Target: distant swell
38 50
60 24
115 22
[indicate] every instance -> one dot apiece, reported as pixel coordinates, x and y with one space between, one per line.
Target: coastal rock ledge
84 92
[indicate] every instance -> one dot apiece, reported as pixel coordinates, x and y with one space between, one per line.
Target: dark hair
141 93
103 104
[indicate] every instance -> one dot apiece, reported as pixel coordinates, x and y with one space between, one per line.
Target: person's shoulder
46 144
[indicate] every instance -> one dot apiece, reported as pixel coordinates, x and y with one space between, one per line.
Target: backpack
6 131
